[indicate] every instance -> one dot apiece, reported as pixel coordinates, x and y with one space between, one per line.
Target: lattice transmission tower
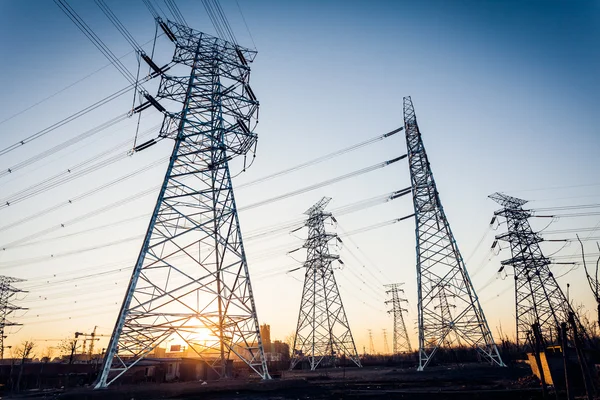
323 333
7 292
386 345
440 267
400 342
190 284
538 297
371 345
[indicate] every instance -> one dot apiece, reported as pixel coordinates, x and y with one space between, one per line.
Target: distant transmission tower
440 266
371 346
538 297
445 310
323 332
401 341
386 346
7 292
190 284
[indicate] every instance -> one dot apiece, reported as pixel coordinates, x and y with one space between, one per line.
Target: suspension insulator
151 63
155 103
145 145
241 56
168 32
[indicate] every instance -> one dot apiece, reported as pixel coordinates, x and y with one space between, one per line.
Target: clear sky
506 94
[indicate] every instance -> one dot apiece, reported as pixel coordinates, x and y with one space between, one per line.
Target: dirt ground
474 381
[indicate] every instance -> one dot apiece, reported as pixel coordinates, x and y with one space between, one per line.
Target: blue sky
506 94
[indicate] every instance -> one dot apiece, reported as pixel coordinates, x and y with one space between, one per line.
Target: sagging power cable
323 183
321 159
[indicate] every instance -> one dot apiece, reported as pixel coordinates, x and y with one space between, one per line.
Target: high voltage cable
65 88
250 236
172 6
83 217
320 159
219 20
64 177
265 178
61 146
564 208
70 173
572 230
90 193
24 262
66 120
573 215
96 41
552 188
117 24
78 233
36 260
322 184
245 23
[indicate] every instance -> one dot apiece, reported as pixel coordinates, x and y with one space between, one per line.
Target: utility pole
191 282
400 342
439 262
538 298
386 346
7 292
323 332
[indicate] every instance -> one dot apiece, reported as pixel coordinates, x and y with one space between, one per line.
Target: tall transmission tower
190 284
538 298
386 346
400 342
440 267
7 292
323 332
371 345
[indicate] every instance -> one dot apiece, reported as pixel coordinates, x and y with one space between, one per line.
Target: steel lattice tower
323 332
386 346
190 283
538 298
400 342
7 292
440 266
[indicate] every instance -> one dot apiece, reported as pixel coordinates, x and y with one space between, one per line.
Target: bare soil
471 381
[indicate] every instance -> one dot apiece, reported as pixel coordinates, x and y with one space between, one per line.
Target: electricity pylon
400 342
538 298
190 284
7 292
386 346
323 332
371 345
440 266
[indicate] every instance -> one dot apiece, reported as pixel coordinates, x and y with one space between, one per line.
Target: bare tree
24 351
68 347
47 354
289 340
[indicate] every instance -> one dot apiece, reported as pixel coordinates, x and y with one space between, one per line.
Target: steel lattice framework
440 266
401 342
538 298
190 283
323 333
7 292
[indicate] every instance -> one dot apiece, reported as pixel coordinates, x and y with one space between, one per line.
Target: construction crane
92 337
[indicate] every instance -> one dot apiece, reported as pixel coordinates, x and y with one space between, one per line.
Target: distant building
280 351
265 334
